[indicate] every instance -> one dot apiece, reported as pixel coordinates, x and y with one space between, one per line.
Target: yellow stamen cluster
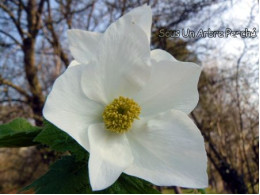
120 114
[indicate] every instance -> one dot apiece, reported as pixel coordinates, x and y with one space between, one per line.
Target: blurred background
34 52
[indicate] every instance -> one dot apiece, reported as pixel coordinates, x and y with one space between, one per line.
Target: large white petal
93 83
172 85
68 107
83 45
123 63
142 16
110 155
168 150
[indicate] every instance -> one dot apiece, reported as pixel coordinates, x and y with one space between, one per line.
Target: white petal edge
110 155
168 150
172 85
142 16
73 63
123 63
161 55
83 45
68 108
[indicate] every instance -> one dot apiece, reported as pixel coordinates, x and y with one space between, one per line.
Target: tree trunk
33 25
37 98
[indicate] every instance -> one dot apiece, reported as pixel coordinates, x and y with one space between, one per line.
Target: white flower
128 106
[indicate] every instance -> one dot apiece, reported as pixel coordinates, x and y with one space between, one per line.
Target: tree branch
13 100
17 88
11 37
55 41
16 23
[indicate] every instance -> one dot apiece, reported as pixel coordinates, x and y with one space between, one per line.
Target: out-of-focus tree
229 123
231 135
27 27
35 31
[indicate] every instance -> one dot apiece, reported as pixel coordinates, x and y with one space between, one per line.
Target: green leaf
71 176
202 191
18 133
130 185
60 141
66 176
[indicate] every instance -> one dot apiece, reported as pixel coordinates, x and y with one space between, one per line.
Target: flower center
120 114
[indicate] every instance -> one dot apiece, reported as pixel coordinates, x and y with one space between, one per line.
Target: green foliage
128 184
202 191
18 133
60 141
65 176
186 191
69 175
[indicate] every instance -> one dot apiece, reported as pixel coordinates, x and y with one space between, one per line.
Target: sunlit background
34 52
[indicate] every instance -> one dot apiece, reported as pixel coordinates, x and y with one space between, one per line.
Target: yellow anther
120 114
